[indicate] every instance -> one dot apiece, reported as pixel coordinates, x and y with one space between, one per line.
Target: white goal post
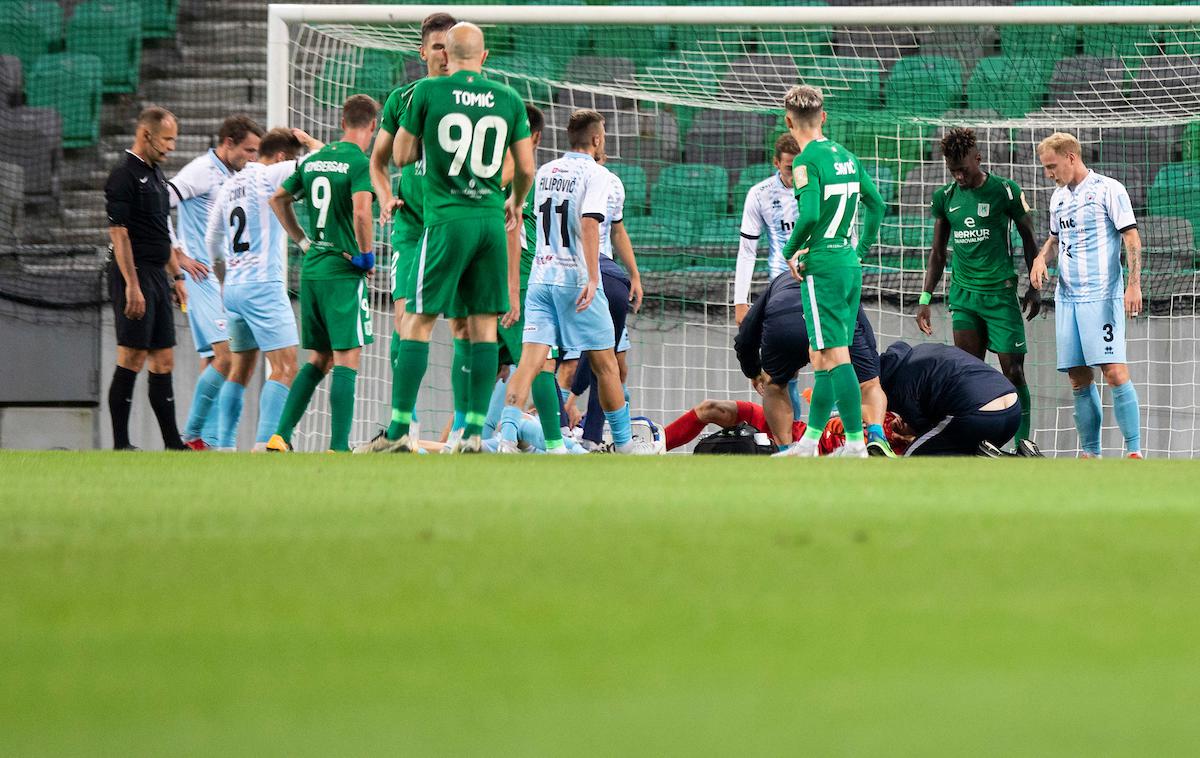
726 65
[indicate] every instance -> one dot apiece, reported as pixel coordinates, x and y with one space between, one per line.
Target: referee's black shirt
136 198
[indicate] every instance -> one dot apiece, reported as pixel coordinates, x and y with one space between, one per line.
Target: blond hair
804 101
1061 143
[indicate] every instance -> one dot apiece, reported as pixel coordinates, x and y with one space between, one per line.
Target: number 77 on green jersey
466 124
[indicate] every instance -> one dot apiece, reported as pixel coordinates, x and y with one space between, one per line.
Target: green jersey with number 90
327 181
466 125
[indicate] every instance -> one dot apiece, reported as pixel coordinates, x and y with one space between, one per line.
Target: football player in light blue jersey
1090 216
771 209
564 305
193 191
623 289
244 232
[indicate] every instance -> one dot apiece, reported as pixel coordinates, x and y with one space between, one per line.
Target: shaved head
464 42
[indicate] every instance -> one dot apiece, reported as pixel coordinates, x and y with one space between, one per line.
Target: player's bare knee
1081 377
131 359
282 366
460 328
1115 374
348 358
161 361
417 327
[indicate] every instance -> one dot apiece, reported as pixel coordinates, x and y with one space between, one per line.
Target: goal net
693 109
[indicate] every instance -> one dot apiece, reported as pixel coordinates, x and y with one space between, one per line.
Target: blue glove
364 261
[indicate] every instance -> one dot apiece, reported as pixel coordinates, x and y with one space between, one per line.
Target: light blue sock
875 432
270 407
797 402
510 423
229 412
207 388
530 432
495 409
212 424
1088 415
618 422
460 421
625 389
1125 408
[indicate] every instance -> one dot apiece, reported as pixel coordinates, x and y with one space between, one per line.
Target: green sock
411 361
849 400
393 430
301 392
819 406
485 362
341 407
394 350
460 377
545 399
1026 412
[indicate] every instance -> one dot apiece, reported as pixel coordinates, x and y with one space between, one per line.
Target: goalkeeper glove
364 261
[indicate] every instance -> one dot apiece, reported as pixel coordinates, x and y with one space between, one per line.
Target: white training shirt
614 214
770 207
193 190
566 189
242 228
1088 222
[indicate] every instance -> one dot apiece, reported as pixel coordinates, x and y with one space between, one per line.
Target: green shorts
996 316
462 269
831 298
510 338
334 314
404 256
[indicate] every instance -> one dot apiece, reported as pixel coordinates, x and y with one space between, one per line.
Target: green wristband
926 298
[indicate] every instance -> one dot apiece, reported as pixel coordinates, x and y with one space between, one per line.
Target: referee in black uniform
144 276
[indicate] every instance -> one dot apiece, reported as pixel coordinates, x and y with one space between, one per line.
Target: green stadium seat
159 18
1010 86
1191 141
687 195
1175 191
1168 244
646 45
747 178
650 232
885 181
720 235
633 177
112 31
29 29
883 140
376 74
11 81
72 84
850 84
1045 43
1119 40
925 85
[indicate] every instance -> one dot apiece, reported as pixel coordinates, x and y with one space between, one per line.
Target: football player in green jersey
404 208
335 317
973 213
830 183
466 124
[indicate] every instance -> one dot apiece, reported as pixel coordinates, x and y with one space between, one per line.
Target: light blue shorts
1091 333
206 314
550 319
622 347
260 316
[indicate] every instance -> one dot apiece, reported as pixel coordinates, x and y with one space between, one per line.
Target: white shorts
551 319
206 314
260 317
1090 333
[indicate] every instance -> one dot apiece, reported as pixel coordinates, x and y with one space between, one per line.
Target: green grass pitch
158 604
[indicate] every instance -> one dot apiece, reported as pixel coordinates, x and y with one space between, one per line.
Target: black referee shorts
785 347
156 329
961 435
